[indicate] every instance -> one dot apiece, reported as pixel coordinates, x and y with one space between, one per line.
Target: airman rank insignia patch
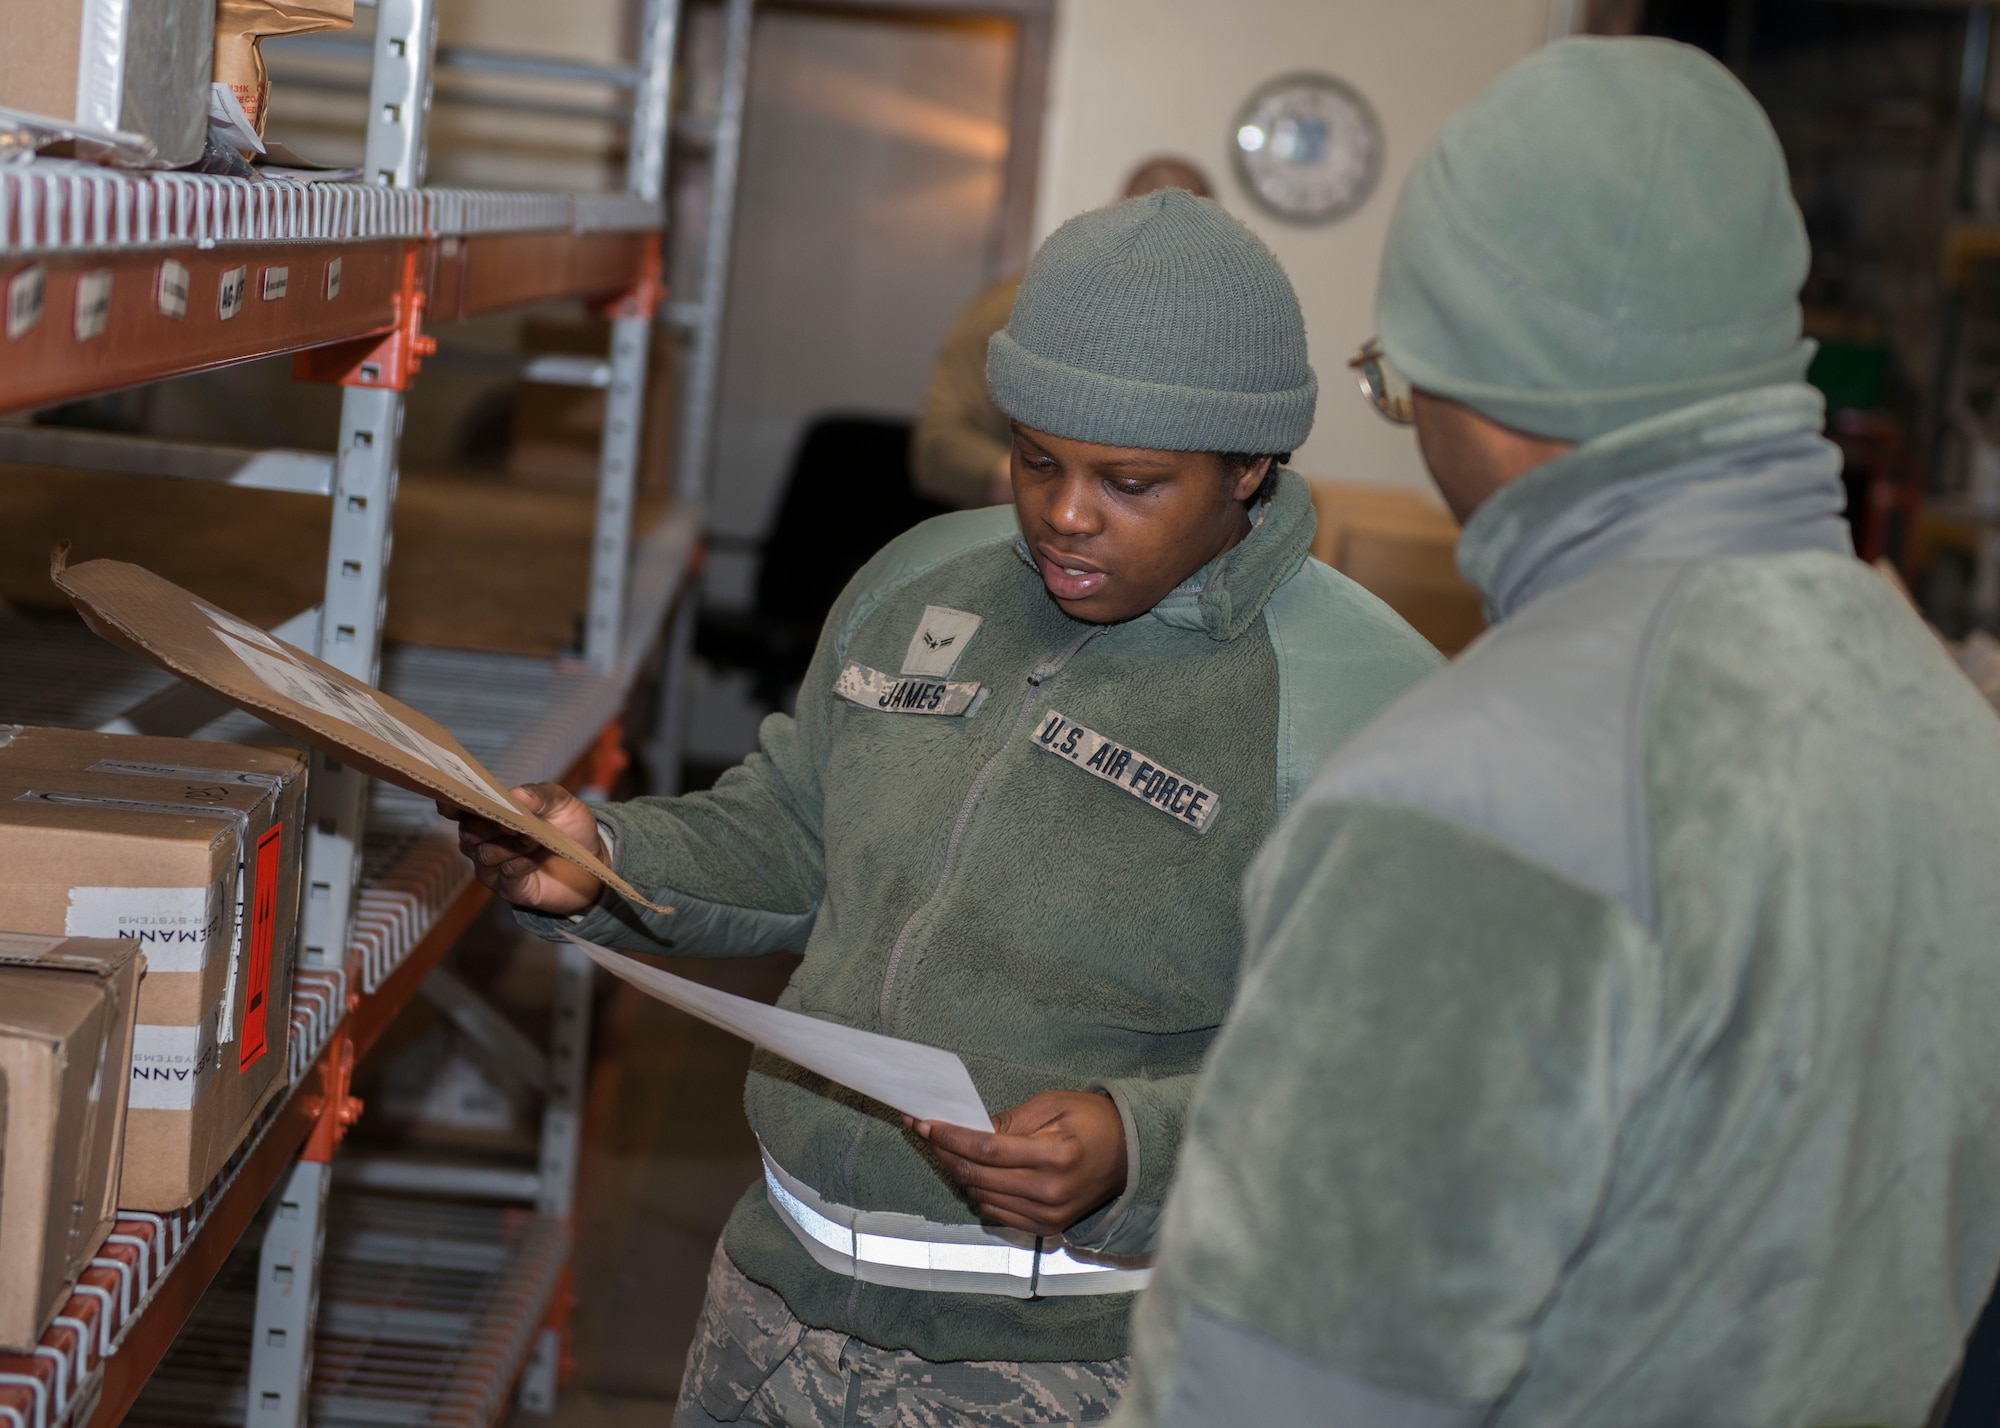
906 694
1181 799
941 638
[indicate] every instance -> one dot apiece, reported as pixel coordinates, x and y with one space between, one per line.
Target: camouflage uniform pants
754 1363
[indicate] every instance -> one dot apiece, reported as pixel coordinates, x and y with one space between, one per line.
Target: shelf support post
287 1300
569 1051
631 339
617 487
281 1349
562 1139
399 92
350 639
697 424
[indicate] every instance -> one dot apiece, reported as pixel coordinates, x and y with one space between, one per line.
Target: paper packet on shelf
289 689
241 24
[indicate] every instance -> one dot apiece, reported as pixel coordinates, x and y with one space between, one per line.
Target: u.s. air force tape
906 694
1181 799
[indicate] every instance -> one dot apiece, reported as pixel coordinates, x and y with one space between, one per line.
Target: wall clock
1308 147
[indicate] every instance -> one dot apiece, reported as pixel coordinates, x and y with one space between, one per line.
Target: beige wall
1134 77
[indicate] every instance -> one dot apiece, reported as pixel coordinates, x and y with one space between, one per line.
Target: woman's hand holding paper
1045 1164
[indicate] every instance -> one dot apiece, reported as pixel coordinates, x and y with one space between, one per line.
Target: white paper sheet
922 1081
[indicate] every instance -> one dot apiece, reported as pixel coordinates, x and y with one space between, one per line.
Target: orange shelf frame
105 320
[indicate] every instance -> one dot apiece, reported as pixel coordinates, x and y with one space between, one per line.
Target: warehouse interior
552 370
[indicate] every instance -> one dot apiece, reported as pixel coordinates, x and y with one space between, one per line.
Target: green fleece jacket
953 881
1616 1036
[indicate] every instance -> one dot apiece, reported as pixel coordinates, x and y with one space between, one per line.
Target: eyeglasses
1386 388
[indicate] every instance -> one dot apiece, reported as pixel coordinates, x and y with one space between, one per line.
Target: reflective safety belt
910 1252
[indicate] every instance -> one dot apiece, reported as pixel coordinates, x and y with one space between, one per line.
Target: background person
1615 1043
1033 755
963 445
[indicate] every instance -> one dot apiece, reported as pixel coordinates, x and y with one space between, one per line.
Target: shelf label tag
263 922
24 300
173 290
229 299
332 279
93 304
276 281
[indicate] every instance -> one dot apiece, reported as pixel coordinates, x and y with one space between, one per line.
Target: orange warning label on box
263 923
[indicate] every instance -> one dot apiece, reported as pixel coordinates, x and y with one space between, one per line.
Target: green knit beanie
1605 234
1160 322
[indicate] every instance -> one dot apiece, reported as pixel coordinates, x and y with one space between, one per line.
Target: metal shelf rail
114 279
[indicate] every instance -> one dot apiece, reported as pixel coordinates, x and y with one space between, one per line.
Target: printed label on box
242 629
263 923
332 279
178 929
173 290
24 300
276 281
229 297
172 1065
93 304
282 674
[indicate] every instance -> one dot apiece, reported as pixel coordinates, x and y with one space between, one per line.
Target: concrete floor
667 1155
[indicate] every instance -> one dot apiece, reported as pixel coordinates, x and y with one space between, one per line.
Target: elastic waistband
910 1252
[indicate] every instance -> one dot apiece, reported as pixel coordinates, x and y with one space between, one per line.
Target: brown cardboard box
66 1012
286 687
138 67
168 841
1401 546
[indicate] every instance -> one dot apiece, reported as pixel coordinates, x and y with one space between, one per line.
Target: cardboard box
67 1007
138 67
194 849
1401 546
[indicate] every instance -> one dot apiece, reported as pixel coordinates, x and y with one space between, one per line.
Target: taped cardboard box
67 1007
1401 546
286 687
113 67
193 848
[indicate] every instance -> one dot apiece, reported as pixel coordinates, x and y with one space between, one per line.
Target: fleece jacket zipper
1036 677
1039 673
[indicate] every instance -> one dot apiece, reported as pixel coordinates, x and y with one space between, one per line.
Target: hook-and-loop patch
1181 799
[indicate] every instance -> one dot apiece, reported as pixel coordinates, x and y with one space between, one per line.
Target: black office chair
847 496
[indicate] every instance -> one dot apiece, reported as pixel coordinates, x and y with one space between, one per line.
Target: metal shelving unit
113 279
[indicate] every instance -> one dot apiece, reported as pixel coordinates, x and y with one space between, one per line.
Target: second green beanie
1607 233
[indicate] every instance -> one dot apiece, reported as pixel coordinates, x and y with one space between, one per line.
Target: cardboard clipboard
238 661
